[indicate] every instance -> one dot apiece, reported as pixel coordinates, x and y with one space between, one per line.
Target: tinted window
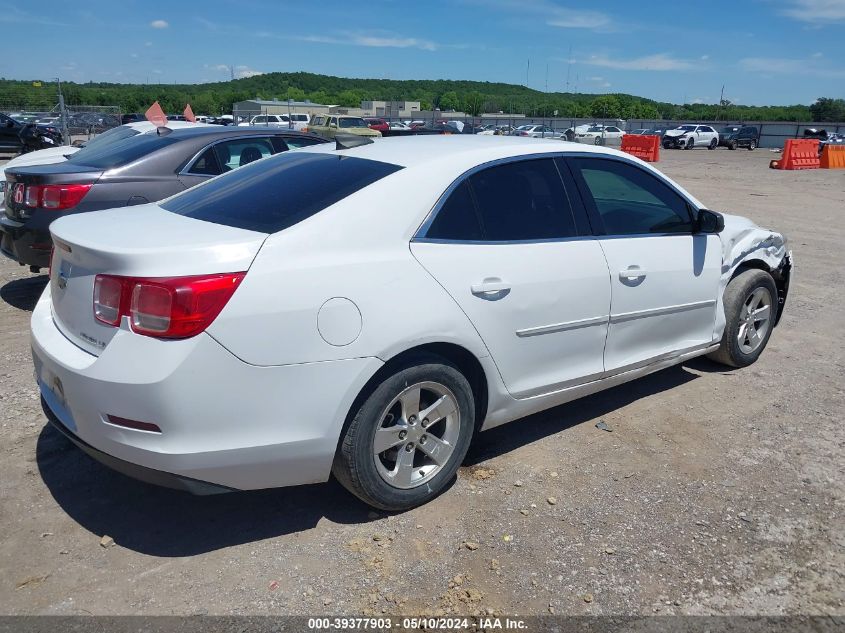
122 152
631 201
523 200
206 164
294 142
111 136
277 193
457 219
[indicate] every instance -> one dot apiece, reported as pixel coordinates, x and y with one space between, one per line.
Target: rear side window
518 201
275 194
631 201
121 153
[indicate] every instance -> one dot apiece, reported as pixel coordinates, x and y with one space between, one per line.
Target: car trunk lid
141 241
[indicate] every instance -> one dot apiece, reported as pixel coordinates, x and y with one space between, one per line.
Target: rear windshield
109 155
111 136
274 194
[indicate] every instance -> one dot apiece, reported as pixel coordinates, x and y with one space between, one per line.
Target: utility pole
527 71
63 114
568 67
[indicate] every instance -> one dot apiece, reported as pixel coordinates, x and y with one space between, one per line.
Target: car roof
460 150
225 131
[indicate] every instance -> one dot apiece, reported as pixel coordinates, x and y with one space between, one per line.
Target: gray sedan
144 168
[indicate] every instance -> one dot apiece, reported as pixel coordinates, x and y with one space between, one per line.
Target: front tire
599 141
752 145
690 144
409 437
750 303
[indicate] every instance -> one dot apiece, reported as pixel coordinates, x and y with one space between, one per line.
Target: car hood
675 132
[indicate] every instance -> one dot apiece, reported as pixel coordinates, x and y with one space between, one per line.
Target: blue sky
763 51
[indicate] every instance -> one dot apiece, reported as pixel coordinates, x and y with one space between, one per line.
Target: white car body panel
260 398
533 322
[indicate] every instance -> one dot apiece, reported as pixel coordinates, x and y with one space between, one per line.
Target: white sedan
600 135
364 308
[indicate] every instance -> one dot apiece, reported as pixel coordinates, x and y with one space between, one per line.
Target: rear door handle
632 272
491 289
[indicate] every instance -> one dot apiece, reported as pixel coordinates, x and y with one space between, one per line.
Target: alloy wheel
416 435
754 319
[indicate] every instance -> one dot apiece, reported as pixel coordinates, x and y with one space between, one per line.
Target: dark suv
734 136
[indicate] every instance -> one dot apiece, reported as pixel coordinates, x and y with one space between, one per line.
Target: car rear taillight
55 197
164 307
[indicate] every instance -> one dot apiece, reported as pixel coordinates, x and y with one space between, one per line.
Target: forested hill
470 96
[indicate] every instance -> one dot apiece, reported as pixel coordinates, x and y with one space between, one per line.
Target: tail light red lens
55 197
164 307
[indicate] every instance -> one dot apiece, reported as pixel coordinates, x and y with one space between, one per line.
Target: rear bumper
141 473
24 245
223 422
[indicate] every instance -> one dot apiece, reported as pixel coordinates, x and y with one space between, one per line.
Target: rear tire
387 455
732 145
750 302
713 144
599 141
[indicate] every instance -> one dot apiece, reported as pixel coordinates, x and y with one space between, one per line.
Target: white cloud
816 12
159 24
659 61
370 39
787 66
148 43
245 71
571 19
552 14
704 58
134 55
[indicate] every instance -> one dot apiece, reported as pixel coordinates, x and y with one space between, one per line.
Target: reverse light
55 197
164 307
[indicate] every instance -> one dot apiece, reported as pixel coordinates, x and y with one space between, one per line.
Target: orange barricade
798 153
833 157
641 146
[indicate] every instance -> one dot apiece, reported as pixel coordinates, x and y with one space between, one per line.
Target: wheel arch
780 274
466 362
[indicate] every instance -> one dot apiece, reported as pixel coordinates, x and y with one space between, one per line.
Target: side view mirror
710 222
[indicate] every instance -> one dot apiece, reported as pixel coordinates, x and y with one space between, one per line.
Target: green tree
606 107
449 101
826 109
473 103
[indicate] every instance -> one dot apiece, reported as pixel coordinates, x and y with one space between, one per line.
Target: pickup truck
327 125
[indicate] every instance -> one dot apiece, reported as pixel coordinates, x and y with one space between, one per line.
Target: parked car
375 123
689 136
61 153
134 117
221 340
327 125
11 130
299 121
646 132
600 135
268 120
733 136
833 138
132 171
536 131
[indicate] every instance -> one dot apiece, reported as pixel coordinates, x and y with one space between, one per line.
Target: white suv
270 120
689 136
600 135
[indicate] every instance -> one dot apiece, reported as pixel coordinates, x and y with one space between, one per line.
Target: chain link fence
46 106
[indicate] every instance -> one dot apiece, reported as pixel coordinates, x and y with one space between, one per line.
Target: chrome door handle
632 272
491 289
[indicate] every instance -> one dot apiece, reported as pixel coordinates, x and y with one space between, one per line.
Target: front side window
631 201
518 201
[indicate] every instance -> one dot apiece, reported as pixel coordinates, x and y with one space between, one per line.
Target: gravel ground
716 491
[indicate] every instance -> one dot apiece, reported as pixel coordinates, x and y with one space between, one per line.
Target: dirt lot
716 491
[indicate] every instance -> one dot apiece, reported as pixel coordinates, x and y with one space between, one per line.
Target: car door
514 253
664 278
